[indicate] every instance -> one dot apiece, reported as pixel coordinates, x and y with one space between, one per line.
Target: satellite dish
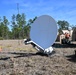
43 32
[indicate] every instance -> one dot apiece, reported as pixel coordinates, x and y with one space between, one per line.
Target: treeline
20 28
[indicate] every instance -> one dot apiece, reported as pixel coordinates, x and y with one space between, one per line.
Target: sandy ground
19 59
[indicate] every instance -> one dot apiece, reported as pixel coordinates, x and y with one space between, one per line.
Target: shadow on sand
58 45
71 58
18 55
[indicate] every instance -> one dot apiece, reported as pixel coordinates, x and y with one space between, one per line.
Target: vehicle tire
63 41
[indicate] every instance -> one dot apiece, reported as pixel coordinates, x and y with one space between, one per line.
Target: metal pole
18 7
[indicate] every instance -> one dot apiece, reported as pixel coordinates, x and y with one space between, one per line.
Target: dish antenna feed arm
37 47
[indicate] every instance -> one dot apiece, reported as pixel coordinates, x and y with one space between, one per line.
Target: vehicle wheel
63 41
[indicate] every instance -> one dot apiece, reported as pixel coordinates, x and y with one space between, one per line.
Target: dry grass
19 59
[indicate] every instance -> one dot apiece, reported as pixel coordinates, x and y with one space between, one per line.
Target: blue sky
58 9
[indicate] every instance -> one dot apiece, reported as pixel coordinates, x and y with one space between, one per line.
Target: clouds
58 9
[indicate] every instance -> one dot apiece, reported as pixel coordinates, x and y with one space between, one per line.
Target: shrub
1 38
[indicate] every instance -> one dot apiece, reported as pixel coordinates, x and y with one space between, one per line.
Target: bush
1 38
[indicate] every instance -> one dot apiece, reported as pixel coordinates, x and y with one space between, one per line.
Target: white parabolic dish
44 31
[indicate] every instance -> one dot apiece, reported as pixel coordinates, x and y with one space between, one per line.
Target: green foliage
21 27
63 25
4 27
1 38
